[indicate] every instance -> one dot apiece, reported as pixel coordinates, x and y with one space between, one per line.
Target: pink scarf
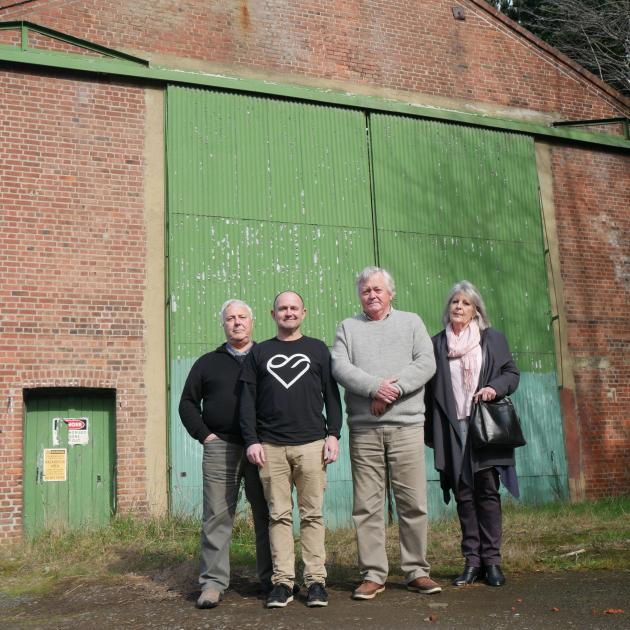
461 348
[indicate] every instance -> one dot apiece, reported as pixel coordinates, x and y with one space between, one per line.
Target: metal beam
25 27
129 68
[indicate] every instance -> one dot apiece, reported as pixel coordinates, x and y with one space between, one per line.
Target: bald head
275 301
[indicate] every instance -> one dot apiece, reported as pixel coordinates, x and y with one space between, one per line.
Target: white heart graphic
280 360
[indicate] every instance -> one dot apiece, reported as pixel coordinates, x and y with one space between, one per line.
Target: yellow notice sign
55 464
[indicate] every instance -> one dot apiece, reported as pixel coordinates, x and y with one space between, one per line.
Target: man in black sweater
209 410
286 384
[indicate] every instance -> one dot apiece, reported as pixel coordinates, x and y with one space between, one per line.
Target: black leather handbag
495 423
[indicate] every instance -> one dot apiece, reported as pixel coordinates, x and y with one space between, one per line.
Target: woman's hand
485 393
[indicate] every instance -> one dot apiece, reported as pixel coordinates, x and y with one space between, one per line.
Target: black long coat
498 371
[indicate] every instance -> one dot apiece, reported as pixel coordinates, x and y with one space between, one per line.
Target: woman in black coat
473 361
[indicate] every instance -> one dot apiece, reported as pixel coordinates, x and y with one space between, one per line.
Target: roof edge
554 52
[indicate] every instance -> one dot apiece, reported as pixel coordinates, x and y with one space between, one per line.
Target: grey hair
368 272
472 293
233 302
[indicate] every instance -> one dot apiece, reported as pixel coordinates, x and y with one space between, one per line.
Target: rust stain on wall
246 22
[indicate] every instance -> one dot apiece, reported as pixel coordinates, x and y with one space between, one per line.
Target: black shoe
494 575
266 587
468 576
280 596
317 595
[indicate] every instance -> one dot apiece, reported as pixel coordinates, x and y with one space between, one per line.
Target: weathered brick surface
413 45
592 198
72 239
72 255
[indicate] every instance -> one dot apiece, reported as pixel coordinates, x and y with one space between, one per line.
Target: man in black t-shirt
286 382
209 411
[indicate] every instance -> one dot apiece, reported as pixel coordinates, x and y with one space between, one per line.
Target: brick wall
73 261
413 45
592 200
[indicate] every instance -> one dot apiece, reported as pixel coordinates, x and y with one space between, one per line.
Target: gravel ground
590 600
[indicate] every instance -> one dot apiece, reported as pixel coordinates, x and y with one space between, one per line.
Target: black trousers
479 511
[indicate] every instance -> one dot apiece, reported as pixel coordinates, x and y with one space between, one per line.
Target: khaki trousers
372 452
301 466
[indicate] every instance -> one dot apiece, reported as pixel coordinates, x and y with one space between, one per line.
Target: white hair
472 293
368 272
229 303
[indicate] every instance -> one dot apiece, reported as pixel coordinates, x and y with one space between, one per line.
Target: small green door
69 458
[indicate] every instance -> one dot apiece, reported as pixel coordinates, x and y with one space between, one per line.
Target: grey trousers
372 452
224 466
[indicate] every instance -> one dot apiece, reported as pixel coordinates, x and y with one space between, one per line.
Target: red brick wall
413 45
592 199
72 255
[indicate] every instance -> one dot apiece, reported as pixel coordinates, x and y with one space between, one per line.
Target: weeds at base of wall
589 535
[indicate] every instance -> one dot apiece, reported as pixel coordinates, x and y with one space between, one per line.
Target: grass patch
127 545
536 538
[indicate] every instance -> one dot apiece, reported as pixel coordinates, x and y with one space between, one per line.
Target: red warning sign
75 423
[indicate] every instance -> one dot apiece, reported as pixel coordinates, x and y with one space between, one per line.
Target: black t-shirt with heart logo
285 387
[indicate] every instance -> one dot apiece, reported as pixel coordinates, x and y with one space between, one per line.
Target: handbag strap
485 362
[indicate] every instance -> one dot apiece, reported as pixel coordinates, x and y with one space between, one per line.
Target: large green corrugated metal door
263 195
69 459
456 203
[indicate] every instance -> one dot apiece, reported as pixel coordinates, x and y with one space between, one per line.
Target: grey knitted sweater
366 351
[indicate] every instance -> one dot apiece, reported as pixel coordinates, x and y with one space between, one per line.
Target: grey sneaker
317 595
280 596
209 598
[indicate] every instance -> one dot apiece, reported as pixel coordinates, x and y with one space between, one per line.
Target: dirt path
532 601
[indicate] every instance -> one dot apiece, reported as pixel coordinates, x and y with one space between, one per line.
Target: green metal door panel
248 157
313 259
436 178
541 465
86 496
511 280
456 203
213 258
186 479
263 196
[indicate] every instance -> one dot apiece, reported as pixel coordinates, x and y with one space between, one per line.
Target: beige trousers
301 466
372 452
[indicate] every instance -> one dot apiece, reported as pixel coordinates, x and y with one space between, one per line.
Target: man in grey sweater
383 358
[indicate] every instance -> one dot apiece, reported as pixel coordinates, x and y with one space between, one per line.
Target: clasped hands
387 393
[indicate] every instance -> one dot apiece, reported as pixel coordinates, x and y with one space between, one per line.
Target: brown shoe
368 590
424 585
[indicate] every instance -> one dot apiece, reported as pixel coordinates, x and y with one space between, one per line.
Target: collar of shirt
369 319
235 353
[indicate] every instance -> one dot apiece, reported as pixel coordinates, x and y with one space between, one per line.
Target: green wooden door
457 203
69 458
